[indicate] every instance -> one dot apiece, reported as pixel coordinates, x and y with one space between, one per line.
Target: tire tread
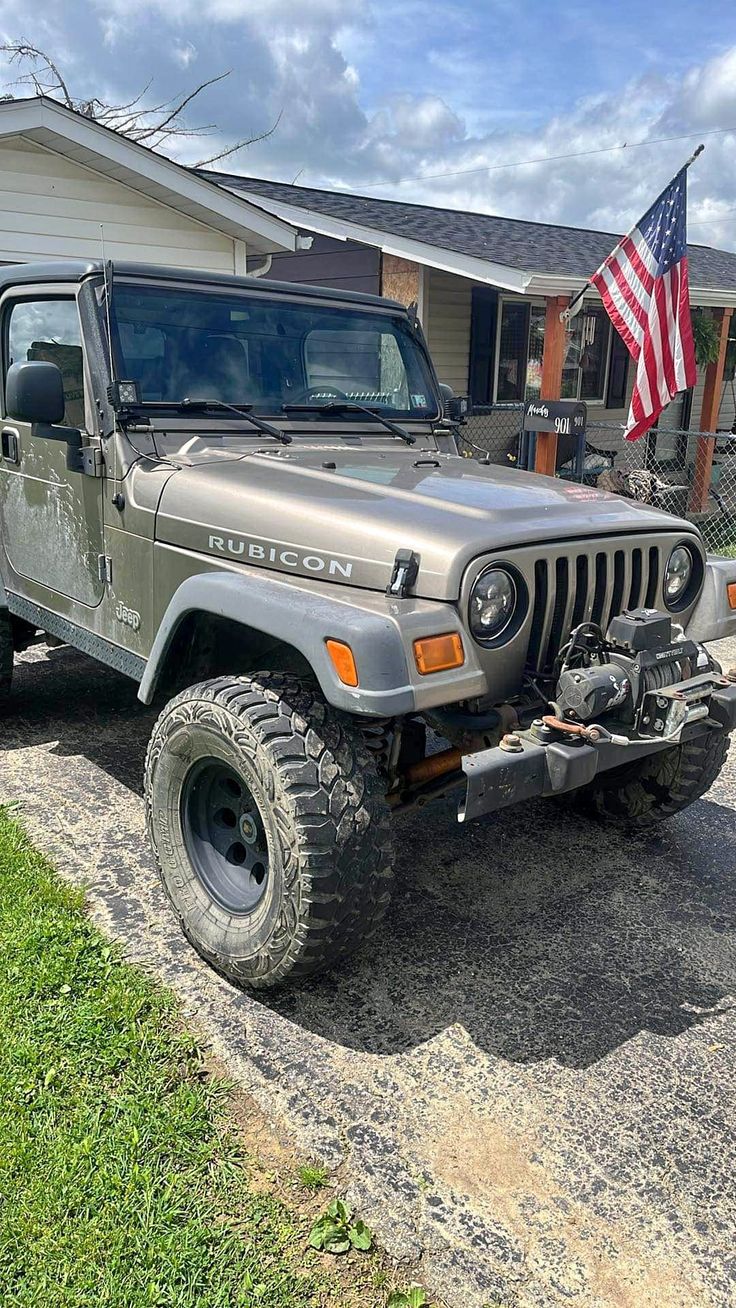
656 787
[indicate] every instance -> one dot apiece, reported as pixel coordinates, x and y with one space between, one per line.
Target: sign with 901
565 417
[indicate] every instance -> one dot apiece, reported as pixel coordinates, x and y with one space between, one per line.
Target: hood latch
404 574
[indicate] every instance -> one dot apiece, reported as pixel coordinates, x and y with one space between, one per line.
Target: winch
654 683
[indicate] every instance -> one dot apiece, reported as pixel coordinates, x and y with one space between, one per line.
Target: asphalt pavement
526 1082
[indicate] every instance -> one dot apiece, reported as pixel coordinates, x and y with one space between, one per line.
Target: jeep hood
342 515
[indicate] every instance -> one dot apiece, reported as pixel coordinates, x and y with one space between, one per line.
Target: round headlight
492 604
678 575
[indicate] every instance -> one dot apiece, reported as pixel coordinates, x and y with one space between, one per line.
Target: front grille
591 587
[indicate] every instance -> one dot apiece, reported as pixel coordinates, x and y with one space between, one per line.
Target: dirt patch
512 1177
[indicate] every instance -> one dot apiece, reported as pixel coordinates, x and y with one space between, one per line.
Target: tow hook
593 734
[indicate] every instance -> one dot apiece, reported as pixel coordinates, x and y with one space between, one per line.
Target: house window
586 356
521 347
513 348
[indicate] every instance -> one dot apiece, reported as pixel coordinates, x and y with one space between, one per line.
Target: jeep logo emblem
129 616
264 552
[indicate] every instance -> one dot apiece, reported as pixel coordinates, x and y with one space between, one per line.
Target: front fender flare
713 618
303 619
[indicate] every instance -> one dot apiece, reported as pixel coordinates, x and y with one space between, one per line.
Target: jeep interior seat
222 369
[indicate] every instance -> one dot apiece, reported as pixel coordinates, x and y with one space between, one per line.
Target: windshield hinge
104 568
404 574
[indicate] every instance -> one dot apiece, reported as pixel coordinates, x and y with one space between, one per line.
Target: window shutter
482 344
618 373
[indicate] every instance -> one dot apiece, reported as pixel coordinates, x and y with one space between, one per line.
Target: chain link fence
666 468
494 433
660 468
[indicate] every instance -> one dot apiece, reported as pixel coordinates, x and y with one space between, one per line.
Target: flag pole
574 305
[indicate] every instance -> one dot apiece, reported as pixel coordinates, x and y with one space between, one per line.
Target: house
65 180
489 292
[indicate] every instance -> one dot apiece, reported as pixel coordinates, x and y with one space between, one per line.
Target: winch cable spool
663 675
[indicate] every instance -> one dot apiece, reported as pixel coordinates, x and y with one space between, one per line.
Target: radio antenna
107 272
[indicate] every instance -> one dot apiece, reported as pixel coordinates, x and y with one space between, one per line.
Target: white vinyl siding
726 411
51 208
447 311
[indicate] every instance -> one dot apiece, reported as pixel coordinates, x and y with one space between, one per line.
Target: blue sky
373 93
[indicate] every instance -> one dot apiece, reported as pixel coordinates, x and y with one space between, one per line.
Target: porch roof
514 253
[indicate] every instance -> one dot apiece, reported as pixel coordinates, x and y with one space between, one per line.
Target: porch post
553 357
708 420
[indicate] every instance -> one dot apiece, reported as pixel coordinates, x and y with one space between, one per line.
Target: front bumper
497 777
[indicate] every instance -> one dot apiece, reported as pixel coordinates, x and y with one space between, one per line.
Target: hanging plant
706 338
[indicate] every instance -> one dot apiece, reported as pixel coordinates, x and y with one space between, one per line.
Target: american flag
644 288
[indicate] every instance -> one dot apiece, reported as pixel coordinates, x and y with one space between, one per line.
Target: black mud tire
325 821
7 654
645 792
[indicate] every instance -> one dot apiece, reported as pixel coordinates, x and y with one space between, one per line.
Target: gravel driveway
527 1082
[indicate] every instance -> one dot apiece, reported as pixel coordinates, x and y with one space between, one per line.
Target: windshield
267 351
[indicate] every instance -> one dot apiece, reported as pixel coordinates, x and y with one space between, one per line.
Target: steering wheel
324 393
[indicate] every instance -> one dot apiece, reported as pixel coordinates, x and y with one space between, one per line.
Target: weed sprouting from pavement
312 1177
335 1231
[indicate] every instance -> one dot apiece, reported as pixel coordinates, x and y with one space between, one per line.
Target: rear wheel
7 653
269 823
655 787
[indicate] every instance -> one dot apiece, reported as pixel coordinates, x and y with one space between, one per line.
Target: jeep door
50 513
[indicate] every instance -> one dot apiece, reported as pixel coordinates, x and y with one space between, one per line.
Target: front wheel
655 787
268 821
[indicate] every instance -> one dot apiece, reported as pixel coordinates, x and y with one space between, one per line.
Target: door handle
10 445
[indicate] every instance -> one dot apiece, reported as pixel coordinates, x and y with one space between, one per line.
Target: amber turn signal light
343 661
439 653
731 592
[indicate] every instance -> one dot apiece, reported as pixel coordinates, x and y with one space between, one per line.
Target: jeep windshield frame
266 353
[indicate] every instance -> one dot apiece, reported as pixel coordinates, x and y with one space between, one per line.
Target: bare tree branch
23 50
153 126
233 149
183 104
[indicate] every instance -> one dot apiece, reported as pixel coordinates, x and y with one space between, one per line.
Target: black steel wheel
224 835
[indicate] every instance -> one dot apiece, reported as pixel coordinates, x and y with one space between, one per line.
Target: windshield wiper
240 411
349 406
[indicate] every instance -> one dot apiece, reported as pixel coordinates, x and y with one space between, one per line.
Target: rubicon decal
279 555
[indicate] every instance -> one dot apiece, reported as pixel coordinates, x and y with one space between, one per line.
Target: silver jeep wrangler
247 497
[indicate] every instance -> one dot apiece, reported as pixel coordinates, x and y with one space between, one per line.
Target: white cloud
411 122
377 90
184 53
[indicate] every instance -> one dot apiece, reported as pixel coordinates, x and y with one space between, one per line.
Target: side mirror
34 392
456 407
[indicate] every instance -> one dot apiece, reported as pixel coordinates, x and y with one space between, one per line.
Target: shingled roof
529 246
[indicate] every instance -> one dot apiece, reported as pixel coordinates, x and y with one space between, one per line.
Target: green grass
311 1176
121 1183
